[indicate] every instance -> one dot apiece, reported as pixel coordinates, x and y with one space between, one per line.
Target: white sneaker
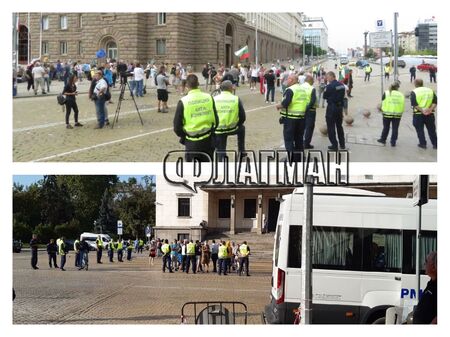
267 102
272 102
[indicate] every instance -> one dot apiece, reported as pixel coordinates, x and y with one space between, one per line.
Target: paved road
126 293
39 132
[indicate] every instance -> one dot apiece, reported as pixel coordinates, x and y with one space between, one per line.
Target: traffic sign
119 230
119 224
380 26
420 190
380 39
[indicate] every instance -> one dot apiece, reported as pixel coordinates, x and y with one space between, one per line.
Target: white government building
224 209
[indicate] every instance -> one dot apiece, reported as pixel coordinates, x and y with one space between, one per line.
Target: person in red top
261 72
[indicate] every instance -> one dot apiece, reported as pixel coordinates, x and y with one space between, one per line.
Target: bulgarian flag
242 53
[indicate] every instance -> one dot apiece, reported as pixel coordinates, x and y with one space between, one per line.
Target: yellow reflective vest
165 248
300 101
424 98
243 249
227 106
223 254
99 243
393 104
190 248
198 116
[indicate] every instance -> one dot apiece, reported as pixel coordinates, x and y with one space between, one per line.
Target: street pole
306 299
40 37
418 234
381 71
303 59
365 44
396 47
28 42
256 44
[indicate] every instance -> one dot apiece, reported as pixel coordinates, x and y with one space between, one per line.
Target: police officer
34 251
392 108
310 115
99 244
367 72
52 249
387 71
426 309
120 250
62 253
167 262
231 116
195 120
293 107
244 251
111 248
76 248
141 246
424 102
223 255
129 250
334 94
190 257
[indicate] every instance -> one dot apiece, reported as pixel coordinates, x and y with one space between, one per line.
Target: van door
293 281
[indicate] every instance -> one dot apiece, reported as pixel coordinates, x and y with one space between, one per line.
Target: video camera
124 75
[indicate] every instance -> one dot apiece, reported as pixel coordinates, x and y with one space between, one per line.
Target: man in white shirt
139 80
38 75
99 92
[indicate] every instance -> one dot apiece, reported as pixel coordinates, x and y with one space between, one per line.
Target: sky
346 29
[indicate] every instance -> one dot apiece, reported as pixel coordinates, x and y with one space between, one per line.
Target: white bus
91 239
363 255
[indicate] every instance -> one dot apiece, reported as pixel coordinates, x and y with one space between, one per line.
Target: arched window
229 30
111 50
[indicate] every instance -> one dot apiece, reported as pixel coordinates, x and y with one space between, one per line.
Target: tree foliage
69 205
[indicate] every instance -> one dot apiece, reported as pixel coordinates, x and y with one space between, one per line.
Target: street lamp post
256 42
303 60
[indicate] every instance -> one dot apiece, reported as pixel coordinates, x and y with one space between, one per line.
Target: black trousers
421 121
310 123
52 257
387 121
221 140
205 145
293 130
71 104
214 258
367 77
167 263
243 260
190 260
333 118
34 258
99 255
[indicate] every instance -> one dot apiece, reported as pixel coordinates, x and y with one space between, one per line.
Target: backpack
61 99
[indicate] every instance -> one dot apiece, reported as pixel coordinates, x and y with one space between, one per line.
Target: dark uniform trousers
310 123
167 262
34 258
243 260
293 130
386 126
333 118
221 140
99 254
205 145
419 121
190 260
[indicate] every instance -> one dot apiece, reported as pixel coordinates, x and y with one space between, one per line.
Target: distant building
316 32
182 214
189 38
407 41
426 33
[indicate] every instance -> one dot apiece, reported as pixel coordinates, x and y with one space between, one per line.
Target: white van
363 255
91 239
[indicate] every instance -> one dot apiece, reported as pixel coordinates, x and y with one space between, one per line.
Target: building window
249 208
161 19
183 236
44 48
45 22
63 22
80 48
184 207
161 46
111 50
224 208
63 47
80 20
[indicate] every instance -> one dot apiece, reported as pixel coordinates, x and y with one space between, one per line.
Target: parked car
401 63
361 63
17 246
426 67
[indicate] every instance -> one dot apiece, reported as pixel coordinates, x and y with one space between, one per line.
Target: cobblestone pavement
39 132
126 293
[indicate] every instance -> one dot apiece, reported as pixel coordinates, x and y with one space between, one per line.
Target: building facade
426 33
189 38
407 41
316 32
224 209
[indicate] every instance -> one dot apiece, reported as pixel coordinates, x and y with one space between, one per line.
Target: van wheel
381 320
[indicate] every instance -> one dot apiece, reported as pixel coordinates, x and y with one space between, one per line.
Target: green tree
56 202
21 231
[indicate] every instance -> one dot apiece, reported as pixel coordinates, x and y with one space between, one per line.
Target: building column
259 214
233 214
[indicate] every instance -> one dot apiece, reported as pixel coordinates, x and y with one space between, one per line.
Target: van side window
382 250
428 243
336 248
295 247
277 245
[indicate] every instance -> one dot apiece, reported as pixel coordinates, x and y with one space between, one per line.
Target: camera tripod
123 85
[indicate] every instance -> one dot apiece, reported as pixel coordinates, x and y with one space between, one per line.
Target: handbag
61 99
107 95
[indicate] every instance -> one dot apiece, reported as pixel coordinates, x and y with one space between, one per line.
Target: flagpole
28 42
